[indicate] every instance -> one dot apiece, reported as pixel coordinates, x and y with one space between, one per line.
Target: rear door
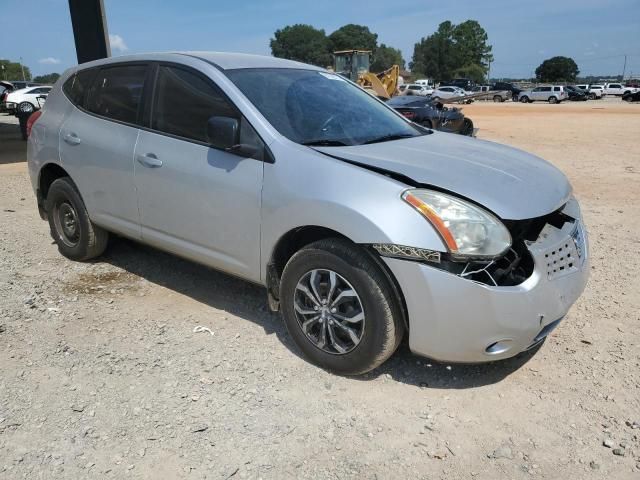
195 200
97 142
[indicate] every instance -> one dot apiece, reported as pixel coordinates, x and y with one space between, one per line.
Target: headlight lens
466 229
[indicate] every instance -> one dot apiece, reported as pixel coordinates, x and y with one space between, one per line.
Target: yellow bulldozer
354 65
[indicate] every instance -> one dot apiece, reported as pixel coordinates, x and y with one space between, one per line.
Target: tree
49 78
453 49
303 43
13 71
353 37
385 57
557 69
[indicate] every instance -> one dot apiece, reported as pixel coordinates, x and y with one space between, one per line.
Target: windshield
319 108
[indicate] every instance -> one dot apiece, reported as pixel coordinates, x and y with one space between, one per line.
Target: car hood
513 184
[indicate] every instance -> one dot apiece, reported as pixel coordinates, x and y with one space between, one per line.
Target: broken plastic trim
406 252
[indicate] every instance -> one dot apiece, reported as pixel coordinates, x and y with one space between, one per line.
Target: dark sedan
576 94
631 97
425 112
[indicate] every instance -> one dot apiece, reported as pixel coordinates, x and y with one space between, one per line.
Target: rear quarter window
76 86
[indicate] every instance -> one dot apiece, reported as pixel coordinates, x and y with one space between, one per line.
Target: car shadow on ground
248 301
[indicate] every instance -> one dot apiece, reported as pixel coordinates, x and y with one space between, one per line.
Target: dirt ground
102 375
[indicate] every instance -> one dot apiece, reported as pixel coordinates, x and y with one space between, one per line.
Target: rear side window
116 92
76 87
184 103
545 89
557 89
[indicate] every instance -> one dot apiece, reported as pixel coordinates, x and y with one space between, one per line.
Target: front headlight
466 229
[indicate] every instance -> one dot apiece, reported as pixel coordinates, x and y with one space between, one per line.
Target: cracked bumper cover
454 319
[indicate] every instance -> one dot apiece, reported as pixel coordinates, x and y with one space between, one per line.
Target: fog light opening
499 347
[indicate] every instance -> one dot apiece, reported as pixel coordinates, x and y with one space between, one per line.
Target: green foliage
353 37
48 79
13 71
557 69
471 71
453 49
385 57
303 43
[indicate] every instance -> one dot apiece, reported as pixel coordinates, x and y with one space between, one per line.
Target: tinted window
545 89
77 86
556 89
615 85
184 103
116 92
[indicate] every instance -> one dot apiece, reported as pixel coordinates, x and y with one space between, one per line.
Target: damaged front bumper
455 319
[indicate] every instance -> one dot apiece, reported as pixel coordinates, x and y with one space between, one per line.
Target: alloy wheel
329 311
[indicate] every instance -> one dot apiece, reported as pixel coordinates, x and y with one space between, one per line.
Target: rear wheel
339 307
467 127
498 99
553 100
592 96
26 107
74 233
524 99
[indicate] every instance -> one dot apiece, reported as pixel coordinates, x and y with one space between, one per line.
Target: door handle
72 139
149 160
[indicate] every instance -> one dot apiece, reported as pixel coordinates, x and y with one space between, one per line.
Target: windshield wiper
388 138
324 143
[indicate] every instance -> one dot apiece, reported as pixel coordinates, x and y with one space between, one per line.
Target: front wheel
553 100
467 127
524 99
26 107
339 307
74 233
592 96
498 99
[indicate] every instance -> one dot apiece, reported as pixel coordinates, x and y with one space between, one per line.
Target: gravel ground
102 375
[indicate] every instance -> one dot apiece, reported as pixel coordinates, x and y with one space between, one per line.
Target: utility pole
624 68
22 68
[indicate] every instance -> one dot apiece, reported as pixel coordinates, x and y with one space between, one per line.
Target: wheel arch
47 175
297 238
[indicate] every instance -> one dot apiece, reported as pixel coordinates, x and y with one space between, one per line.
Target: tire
498 99
592 96
524 99
26 107
467 127
378 334
71 228
427 124
553 100
435 99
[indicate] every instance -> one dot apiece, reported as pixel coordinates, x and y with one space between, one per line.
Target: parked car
551 94
362 226
575 94
447 92
632 96
26 100
491 94
594 92
617 89
430 114
515 91
424 82
414 89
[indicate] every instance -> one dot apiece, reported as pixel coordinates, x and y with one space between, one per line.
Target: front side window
319 108
116 92
545 89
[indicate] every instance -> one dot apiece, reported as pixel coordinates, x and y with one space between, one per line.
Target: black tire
592 96
524 99
427 124
498 99
553 100
467 127
83 240
383 326
435 99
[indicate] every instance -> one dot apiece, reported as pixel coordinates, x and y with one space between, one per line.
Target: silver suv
549 93
362 226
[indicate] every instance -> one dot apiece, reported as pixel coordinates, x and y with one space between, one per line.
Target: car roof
221 60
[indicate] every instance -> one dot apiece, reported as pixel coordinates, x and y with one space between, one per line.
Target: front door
195 200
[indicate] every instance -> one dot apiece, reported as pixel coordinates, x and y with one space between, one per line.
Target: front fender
313 189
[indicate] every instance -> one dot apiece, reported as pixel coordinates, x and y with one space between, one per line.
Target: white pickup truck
617 89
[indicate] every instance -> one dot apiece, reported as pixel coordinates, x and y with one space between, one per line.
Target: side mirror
223 132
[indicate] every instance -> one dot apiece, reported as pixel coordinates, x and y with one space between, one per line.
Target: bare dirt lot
102 375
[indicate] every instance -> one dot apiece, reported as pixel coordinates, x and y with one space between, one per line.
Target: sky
596 33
